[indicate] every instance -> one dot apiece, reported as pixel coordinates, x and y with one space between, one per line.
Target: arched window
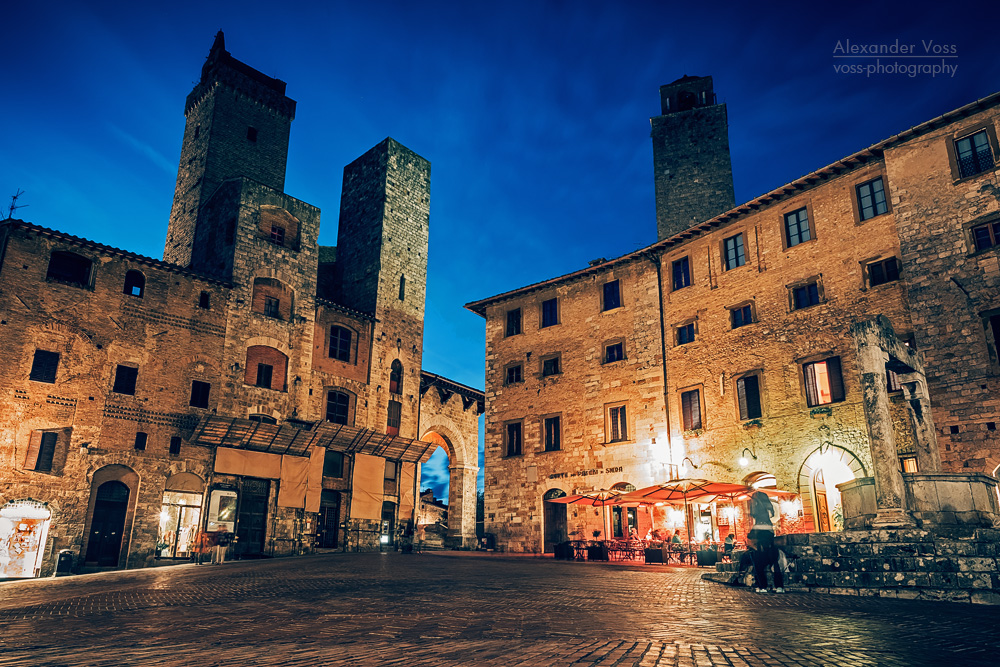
263 419
340 344
396 377
69 268
338 408
135 283
272 298
624 487
402 287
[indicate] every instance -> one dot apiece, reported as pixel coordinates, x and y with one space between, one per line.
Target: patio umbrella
684 490
600 498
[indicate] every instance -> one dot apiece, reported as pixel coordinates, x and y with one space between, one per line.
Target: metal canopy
216 431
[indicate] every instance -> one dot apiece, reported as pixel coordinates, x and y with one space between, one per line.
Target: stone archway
110 514
815 489
461 482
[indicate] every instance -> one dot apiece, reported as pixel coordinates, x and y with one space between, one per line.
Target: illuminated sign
585 473
222 511
24 526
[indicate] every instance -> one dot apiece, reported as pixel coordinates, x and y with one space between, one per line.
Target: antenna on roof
13 204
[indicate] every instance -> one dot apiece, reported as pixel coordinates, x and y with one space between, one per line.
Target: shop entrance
24 526
180 515
328 527
107 527
251 526
554 518
388 523
819 476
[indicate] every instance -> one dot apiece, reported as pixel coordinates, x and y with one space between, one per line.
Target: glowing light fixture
744 461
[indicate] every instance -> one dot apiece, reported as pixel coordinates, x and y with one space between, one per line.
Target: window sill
620 362
70 283
548 451
985 172
618 442
860 222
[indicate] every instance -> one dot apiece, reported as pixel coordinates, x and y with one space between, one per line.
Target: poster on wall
222 511
24 527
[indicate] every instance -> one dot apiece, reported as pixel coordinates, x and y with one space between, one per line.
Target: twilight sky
534 115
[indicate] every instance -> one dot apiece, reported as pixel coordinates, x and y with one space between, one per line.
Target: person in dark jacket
765 555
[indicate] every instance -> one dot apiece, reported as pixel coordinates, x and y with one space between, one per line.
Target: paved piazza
466 609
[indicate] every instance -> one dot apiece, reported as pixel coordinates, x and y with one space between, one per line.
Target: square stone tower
692 170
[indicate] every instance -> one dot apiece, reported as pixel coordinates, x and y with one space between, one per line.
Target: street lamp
744 461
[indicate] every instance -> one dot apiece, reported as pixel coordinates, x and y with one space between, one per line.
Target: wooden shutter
748 389
741 392
812 396
34 446
46 452
691 409
836 379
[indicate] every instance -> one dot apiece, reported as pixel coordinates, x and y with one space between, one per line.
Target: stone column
462 504
918 404
890 494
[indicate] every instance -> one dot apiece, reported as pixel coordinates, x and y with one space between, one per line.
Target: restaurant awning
217 431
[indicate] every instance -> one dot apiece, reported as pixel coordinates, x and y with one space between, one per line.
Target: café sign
585 473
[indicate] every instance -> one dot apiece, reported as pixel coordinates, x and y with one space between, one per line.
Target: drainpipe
655 259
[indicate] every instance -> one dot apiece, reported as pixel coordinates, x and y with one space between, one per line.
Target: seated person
729 545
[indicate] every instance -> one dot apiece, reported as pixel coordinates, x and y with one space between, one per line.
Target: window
871 199
402 288
986 236
277 235
140 441
804 296
135 283
340 343
550 366
974 154
272 307
883 271
685 333
391 470
44 366
748 394
741 316
251 134
394 418
550 313
892 381
396 377
46 452
338 405
691 409
333 464
824 383
616 423
681 273
512 439
612 295
732 252
908 463
513 322
263 419
264 373
125 377
175 446
203 300
797 227
69 268
553 433
992 323
513 374
614 352
199 394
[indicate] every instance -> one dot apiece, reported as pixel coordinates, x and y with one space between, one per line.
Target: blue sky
535 116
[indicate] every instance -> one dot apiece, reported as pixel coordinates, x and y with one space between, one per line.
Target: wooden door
107 526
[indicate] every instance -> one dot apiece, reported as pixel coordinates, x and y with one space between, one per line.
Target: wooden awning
216 431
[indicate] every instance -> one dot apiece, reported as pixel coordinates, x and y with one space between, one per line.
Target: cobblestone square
466 609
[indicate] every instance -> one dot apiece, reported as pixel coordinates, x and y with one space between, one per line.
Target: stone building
252 381
725 351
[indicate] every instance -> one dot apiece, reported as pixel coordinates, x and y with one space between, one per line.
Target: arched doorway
825 468
107 527
180 515
329 520
553 520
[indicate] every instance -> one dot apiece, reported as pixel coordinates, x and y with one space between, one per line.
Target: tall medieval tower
692 170
382 269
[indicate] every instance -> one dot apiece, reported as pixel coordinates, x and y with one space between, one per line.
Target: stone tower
381 269
237 124
692 171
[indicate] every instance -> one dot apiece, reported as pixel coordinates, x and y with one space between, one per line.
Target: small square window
616 423
199 394
612 295
550 313
824 382
203 300
974 154
272 307
691 409
175 446
277 235
333 464
550 366
264 373
797 227
125 378
883 271
251 134
614 352
140 441
44 366
871 199
685 333
338 407
391 470
804 296
553 434
340 344
513 322
892 381
513 374
986 236
908 463
733 252
681 273
741 316
512 439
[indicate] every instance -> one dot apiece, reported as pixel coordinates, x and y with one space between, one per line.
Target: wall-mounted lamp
824 447
744 461
689 462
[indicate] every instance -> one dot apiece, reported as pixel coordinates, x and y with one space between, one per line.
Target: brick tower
382 270
237 124
691 165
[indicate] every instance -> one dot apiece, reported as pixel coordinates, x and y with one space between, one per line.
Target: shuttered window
748 391
41 451
44 366
394 418
617 424
691 409
824 382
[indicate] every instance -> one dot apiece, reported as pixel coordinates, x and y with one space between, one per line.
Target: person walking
762 533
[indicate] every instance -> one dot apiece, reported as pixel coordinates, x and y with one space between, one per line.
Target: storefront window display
180 517
24 527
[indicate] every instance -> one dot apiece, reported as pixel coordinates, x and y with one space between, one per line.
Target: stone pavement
444 609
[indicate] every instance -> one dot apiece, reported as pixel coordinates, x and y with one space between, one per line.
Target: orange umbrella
684 490
601 498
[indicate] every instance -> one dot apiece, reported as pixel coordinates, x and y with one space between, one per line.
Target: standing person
762 533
